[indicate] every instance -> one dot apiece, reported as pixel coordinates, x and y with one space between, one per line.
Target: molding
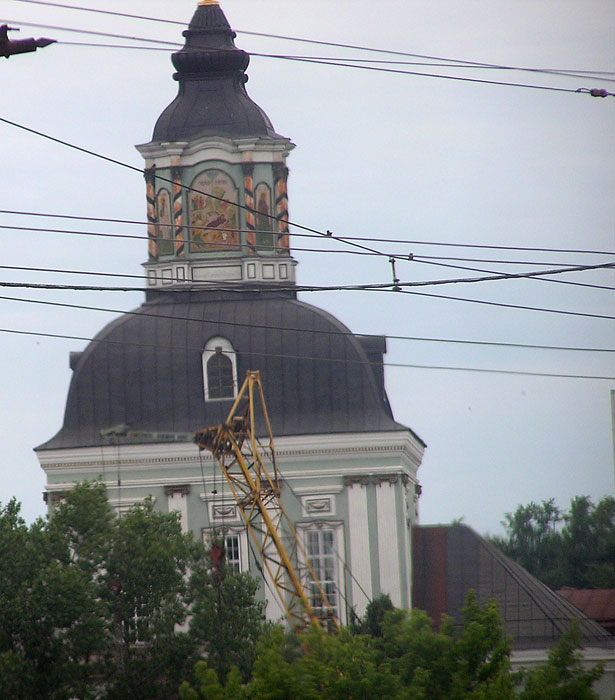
183 490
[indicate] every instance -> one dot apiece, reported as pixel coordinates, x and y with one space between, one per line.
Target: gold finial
208 2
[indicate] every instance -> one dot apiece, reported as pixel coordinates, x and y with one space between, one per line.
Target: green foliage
574 548
563 677
90 604
408 660
227 621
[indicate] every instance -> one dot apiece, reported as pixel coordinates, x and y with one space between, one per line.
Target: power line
188 188
323 359
447 61
543 279
348 333
342 64
395 286
412 257
334 237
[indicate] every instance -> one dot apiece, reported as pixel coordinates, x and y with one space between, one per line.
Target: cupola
215 172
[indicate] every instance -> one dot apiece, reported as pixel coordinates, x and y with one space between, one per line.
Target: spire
212 99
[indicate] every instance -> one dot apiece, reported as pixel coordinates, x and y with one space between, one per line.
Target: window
234 541
321 554
220 376
219 370
233 553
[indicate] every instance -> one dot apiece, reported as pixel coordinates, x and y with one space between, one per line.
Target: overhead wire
340 63
354 47
496 272
313 331
373 239
323 359
188 188
394 286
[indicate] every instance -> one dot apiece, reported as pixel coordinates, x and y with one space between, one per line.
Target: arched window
219 370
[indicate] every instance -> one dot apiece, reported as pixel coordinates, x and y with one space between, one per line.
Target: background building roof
451 560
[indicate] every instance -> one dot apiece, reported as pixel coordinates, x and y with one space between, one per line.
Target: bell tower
215 172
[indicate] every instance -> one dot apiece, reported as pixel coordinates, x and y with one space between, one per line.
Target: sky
413 159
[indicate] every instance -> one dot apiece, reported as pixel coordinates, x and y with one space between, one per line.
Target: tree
51 620
563 677
227 620
92 605
574 548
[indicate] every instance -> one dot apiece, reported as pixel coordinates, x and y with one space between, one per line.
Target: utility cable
323 359
159 278
482 81
321 332
447 61
589 91
497 272
309 235
143 172
396 287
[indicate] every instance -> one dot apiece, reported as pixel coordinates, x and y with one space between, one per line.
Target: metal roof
145 368
212 99
451 560
598 604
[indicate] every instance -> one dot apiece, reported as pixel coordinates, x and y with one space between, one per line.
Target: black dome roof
145 368
212 99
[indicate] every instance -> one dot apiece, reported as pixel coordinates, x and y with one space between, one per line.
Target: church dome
145 369
212 99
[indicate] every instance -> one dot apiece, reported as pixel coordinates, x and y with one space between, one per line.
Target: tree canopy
94 606
573 548
408 660
100 607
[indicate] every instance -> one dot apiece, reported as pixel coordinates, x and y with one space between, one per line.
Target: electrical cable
170 181
302 288
465 79
497 272
401 365
393 287
309 235
447 61
482 81
283 328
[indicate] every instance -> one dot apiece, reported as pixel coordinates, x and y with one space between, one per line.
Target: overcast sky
383 155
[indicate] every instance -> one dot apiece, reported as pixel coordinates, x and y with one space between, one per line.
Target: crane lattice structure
249 466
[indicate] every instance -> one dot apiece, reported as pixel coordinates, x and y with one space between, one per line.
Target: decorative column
150 195
248 185
177 500
178 211
358 534
388 537
280 174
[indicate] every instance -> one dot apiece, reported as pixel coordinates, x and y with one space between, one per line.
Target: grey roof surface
145 369
212 99
451 560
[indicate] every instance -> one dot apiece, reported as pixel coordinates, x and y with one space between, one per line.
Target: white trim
388 544
212 347
360 555
337 526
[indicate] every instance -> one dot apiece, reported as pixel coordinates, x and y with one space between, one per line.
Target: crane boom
244 461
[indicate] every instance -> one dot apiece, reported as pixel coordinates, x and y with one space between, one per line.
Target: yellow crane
246 455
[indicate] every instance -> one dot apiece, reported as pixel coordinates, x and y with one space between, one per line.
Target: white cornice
209 148
401 445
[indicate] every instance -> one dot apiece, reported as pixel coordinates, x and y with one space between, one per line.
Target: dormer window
219 370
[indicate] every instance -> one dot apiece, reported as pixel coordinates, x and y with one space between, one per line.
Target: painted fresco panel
164 220
210 217
263 220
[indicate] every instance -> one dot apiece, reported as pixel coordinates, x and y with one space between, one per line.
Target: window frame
215 346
